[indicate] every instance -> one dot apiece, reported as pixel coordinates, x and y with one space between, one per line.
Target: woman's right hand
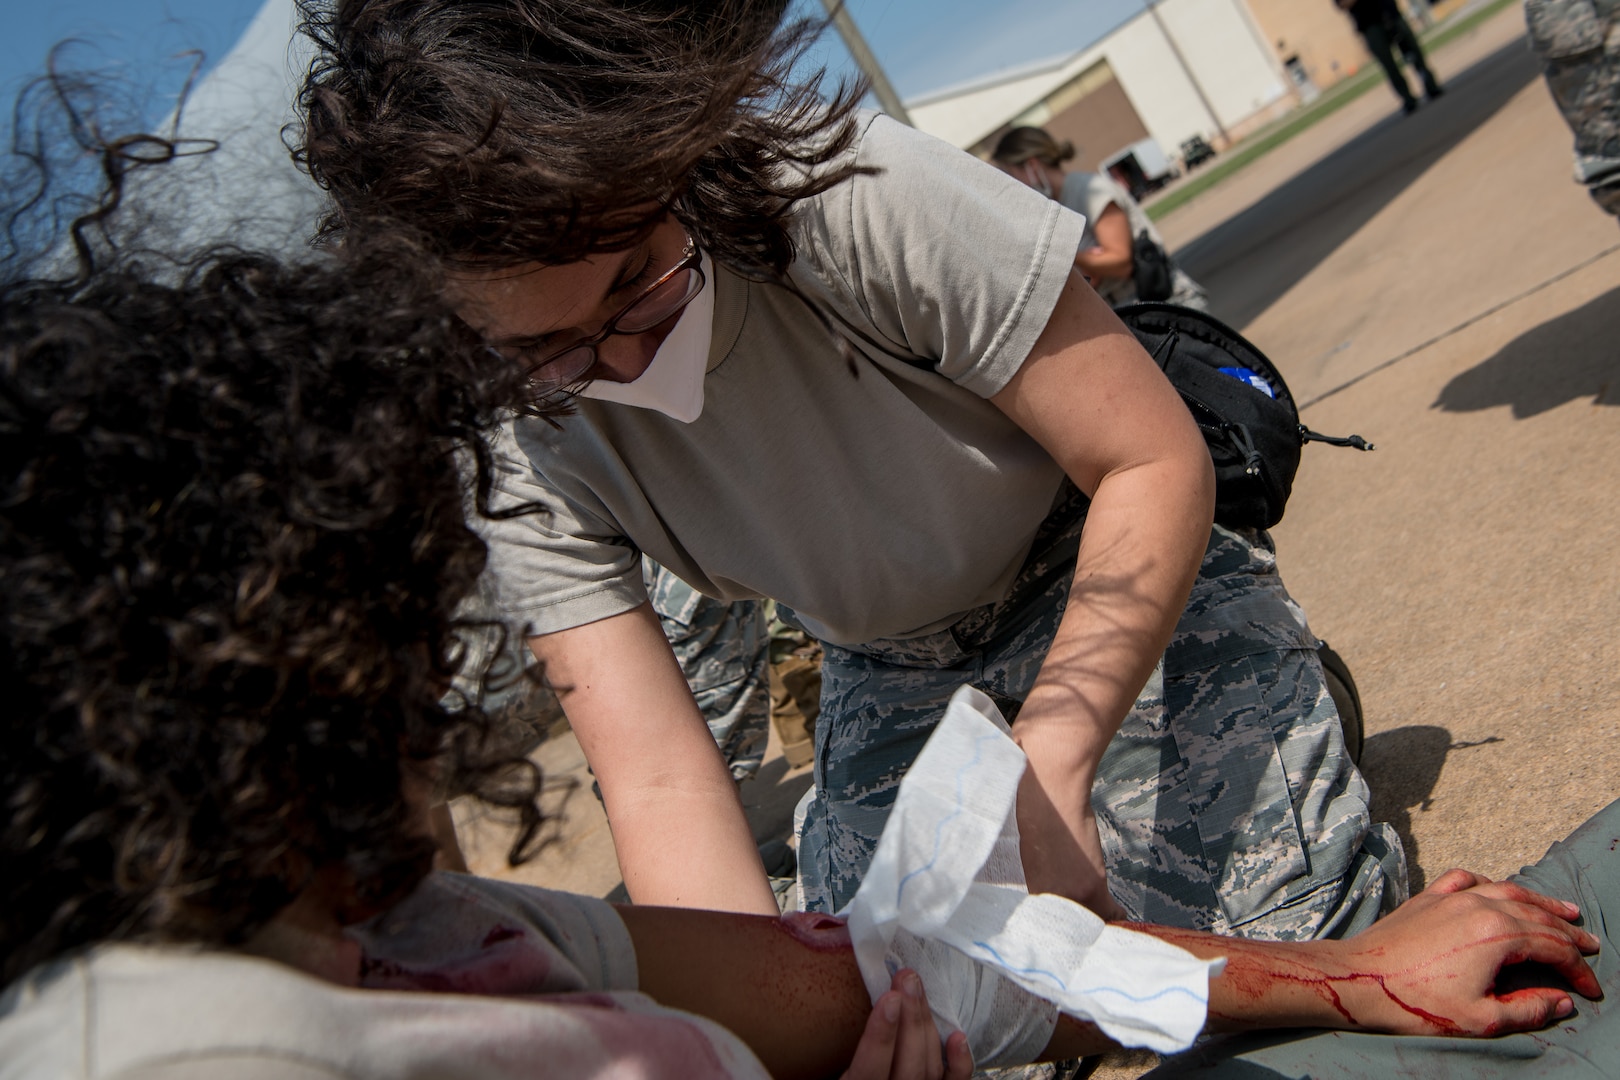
901 1043
1062 852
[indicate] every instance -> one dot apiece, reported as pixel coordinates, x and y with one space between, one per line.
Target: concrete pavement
1438 284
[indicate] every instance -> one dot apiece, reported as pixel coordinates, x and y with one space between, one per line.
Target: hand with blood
1435 965
1468 956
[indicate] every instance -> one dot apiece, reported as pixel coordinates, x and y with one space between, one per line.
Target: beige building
1178 69
1314 34
1215 69
1321 40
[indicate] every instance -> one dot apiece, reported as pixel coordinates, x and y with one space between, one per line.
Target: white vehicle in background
1140 168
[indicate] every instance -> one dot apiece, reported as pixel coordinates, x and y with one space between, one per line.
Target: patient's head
232 545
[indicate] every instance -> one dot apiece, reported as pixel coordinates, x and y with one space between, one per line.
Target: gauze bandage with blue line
945 896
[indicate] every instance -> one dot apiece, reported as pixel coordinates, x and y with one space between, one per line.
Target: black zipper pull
1239 434
1355 441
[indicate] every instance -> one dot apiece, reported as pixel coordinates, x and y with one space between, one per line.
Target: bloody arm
1430 968
791 990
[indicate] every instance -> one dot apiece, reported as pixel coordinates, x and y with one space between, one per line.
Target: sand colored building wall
1316 31
1098 124
1183 68
1091 110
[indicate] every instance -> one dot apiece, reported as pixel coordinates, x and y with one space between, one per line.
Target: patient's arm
1430 968
791 989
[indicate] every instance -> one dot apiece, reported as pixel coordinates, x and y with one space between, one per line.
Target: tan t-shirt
562 965
878 502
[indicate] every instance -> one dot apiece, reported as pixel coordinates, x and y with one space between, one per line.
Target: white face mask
673 382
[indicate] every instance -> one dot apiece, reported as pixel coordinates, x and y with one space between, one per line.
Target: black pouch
1254 438
1151 270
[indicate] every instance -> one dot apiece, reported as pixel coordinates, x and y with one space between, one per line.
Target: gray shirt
878 502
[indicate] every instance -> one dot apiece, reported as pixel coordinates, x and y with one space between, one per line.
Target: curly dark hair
233 539
516 131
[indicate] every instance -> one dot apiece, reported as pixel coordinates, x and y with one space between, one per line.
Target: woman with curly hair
233 542
816 356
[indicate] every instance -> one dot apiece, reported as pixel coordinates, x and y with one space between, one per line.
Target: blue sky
923 44
139 41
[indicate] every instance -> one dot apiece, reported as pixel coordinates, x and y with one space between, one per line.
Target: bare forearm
1105 412
789 988
683 844
1104 264
1277 984
1433 967
1113 255
1144 539
1135 568
678 827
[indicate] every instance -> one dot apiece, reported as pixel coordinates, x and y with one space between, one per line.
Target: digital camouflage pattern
1579 42
1226 802
724 652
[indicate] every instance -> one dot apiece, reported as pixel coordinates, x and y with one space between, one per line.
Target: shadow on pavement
1576 355
1402 768
1250 260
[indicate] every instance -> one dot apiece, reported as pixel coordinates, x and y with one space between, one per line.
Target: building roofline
996 78
1026 70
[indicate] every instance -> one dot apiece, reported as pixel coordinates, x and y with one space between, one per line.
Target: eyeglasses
663 298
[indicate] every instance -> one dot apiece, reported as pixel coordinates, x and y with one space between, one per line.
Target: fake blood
500 934
823 933
1326 985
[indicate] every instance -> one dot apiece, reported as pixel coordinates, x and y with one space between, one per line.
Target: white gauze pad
945 894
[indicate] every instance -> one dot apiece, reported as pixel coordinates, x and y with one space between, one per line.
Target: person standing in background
1115 224
1579 42
1382 26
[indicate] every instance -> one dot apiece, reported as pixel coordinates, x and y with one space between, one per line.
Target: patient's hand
1432 967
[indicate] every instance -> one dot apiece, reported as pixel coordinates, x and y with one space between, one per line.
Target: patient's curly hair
516 131
232 545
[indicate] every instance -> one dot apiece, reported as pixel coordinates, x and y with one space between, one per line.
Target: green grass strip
1335 98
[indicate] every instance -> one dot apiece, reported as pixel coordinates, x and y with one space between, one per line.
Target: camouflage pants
1579 42
1226 802
723 650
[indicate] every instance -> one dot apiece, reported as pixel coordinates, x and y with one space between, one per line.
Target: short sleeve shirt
878 494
